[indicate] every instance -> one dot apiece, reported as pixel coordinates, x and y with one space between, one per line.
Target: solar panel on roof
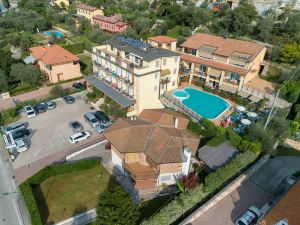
133 42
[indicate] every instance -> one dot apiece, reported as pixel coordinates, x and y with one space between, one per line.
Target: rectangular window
155 88
156 75
126 55
165 62
111 47
194 51
175 71
176 59
157 64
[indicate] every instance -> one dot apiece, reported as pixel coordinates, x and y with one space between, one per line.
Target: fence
176 102
80 219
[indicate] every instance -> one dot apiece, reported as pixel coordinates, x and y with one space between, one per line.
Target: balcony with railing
139 171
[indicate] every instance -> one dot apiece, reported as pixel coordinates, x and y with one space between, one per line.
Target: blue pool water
205 104
57 33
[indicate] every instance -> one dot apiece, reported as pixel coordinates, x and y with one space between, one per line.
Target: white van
250 217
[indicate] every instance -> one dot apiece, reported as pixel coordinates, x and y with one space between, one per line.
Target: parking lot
50 131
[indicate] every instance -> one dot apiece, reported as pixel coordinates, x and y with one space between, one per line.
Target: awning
244 94
29 60
110 92
214 73
229 88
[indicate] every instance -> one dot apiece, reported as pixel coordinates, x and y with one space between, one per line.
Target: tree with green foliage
115 207
5 62
3 83
290 53
6 4
57 91
29 74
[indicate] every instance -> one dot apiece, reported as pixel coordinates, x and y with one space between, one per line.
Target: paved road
9 208
261 187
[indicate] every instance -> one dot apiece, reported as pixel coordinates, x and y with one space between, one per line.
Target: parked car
102 117
21 146
91 119
100 128
17 134
40 108
50 105
250 217
69 99
80 136
76 126
78 85
29 111
13 127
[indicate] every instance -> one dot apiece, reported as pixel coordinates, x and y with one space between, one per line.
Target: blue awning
110 92
29 60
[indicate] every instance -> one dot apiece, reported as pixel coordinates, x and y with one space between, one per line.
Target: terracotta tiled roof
162 39
160 143
218 65
52 54
224 46
109 19
288 207
86 7
165 117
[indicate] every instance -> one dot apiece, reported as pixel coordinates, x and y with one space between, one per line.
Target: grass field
63 196
285 151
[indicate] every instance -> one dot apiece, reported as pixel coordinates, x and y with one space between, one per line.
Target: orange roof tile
52 54
86 7
288 207
225 46
218 65
162 39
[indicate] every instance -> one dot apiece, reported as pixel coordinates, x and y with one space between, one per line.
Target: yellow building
134 74
88 11
61 3
224 63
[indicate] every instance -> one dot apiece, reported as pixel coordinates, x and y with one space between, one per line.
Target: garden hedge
34 181
188 202
76 48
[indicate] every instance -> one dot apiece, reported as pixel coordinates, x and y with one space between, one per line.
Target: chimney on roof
175 122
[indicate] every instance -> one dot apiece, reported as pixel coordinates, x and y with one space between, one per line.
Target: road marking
18 213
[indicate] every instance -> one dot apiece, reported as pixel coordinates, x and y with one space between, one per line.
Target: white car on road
250 217
80 136
29 111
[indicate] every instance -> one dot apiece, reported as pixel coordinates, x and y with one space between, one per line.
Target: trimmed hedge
49 171
76 48
191 200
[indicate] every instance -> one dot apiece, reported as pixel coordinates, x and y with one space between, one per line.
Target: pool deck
226 113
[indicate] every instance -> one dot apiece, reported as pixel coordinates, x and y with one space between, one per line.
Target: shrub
8 116
113 109
195 127
76 48
57 91
246 145
216 141
195 197
188 182
294 126
207 89
234 138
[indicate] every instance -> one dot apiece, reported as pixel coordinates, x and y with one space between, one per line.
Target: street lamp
271 114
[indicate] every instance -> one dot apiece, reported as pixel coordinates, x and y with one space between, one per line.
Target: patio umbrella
245 121
252 114
241 108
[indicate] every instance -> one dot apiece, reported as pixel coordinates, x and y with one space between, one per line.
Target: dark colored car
69 99
40 108
78 85
20 133
75 126
102 117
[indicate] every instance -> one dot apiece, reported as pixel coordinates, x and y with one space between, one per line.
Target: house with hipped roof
153 149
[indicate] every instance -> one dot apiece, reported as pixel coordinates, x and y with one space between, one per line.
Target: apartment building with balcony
133 73
221 63
153 149
88 11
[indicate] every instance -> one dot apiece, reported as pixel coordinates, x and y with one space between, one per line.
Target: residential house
286 211
56 62
222 63
134 74
152 154
88 11
113 24
163 42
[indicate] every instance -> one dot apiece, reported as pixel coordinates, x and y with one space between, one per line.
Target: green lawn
63 196
285 151
174 33
38 37
87 64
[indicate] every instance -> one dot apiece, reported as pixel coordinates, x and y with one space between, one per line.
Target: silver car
50 105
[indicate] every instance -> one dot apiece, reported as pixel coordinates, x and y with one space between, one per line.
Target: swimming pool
57 33
203 103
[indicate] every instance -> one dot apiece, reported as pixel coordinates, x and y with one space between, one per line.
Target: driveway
258 190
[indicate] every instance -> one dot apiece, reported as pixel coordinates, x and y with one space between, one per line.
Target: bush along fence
33 182
191 200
